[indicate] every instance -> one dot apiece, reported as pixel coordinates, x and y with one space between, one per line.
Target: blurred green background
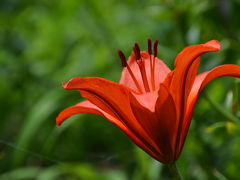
45 42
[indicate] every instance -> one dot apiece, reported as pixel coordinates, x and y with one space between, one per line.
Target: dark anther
155 47
137 51
149 46
123 58
134 50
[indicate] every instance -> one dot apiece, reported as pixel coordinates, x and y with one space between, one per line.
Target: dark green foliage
43 43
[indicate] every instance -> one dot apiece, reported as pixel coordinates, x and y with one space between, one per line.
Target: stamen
137 51
123 58
124 64
155 55
141 65
155 47
149 46
144 76
151 63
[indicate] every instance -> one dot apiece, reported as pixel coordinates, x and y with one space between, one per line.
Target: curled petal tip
64 85
58 122
213 44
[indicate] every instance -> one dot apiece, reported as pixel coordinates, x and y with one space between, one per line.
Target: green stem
221 109
175 171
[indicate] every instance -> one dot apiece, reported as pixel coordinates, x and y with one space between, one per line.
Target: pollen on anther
149 46
123 58
136 50
155 47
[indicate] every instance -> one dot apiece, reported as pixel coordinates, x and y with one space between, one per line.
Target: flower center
141 64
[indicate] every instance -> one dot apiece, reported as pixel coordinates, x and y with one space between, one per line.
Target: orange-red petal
103 93
82 107
199 83
191 75
182 65
159 122
88 107
113 99
165 110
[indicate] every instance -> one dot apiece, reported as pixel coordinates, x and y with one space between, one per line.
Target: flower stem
175 171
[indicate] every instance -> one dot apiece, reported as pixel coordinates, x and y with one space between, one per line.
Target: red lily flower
151 104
